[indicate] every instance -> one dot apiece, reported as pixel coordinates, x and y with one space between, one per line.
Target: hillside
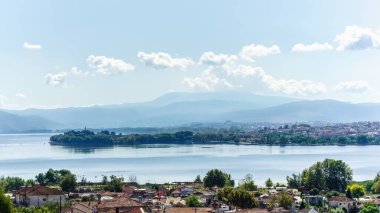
175 109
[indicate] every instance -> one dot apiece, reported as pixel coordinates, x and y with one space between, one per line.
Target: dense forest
104 138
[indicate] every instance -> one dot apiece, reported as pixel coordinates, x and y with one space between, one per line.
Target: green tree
225 194
357 190
40 178
284 200
337 210
116 184
104 180
314 191
303 204
216 177
42 209
29 182
315 177
52 177
12 183
283 141
348 192
363 139
268 183
247 183
198 179
337 174
376 187
327 175
193 201
6 205
243 199
294 182
376 184
68 183
237 197
369 208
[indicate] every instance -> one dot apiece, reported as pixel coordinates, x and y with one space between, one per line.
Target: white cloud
352 87
207 81
292 86
55 79
32 46
358 38
210 58
244 70
107 66
285 86
311 47
250 52
161 60
21 95
77 71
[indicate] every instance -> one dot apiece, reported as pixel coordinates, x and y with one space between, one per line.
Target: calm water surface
26 155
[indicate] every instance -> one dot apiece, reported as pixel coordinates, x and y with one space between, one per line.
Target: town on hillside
326 186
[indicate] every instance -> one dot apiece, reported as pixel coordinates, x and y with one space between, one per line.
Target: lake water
26 155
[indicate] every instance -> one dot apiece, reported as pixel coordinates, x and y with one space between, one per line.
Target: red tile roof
38 190
188 210
120 202
81 207
341 199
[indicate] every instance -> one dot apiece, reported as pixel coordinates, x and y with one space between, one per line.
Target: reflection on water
27 155
85 149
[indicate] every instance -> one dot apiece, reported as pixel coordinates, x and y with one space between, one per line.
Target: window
43 199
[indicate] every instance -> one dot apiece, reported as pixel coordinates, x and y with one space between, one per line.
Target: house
122 204
172 201
188 210
314 200
342 202
38 195
377 203
81 207
312 210
176 193
186 192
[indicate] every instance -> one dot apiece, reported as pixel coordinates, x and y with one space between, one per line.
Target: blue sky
80 53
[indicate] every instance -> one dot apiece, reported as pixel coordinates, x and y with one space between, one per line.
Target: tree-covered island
282 136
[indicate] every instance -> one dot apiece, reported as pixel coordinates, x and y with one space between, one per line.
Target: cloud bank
250 52
108 66
161 60
32 46
357 38
55 79
311 47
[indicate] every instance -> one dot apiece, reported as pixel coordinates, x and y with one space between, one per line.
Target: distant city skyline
82 53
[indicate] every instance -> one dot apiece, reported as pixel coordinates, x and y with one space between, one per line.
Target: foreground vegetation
328 178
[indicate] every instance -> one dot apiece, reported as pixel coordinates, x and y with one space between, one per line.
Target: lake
25 155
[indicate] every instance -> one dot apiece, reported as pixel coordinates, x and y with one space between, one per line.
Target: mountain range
178 108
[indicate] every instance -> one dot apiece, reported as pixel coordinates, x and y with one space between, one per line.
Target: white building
38 195
342 202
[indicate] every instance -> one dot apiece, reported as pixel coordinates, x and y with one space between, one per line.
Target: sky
81 53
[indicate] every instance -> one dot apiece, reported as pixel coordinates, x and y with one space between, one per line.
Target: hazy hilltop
182 108
14 123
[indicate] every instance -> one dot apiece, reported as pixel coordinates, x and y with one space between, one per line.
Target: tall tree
5 203
268 183
329 174
68 183
356 190
247 183
216 177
